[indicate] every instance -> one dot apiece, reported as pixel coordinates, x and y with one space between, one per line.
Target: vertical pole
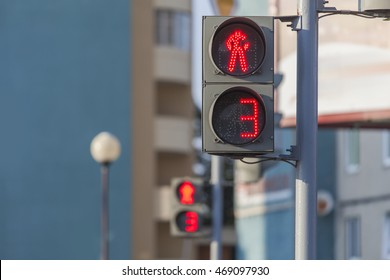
307 112
104 214
217 209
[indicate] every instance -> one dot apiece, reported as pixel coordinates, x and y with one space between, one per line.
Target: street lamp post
105 148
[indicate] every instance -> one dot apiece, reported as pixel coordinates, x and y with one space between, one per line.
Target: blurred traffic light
191 205
188 207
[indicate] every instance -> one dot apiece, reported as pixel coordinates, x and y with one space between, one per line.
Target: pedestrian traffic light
188 207
238 83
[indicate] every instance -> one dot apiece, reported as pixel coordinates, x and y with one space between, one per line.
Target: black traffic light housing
188 207
238 85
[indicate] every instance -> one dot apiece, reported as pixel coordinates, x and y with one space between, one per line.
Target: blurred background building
353 72
162 120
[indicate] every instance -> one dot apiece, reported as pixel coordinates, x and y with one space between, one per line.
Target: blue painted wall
326 180
64 77
270 234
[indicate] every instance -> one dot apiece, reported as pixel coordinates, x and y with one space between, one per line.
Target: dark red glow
237 45
254 118
191 221
186 193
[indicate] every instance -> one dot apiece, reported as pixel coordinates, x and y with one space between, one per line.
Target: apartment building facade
163 118
363 210
354 69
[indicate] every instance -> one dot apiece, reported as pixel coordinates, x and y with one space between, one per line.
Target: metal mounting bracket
294 154
328 11
291 158
321 6
296 21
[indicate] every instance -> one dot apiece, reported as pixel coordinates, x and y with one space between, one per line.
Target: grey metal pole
216 181
307 112
104 214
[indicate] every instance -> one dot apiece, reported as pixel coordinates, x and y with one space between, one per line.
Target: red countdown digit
254 118
238 116
191 221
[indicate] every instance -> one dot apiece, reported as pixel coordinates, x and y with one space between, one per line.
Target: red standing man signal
186 193
237 46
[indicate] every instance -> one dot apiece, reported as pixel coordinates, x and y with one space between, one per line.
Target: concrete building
363 219
354 69
162 120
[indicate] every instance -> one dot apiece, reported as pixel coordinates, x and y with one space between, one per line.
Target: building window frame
386 147
164 27
386 236
353 240
352 150
173 28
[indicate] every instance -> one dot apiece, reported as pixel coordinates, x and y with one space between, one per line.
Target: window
352 238
163 27
173 29
181 37
386 237
386 147
352 149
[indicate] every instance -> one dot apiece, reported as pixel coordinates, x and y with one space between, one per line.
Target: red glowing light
191 221
254 117
237 46
186 193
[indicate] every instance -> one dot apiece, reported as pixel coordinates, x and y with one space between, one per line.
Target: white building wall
364 193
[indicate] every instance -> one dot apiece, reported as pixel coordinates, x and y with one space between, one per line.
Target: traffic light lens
238 116
186 193
238 49
188 221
